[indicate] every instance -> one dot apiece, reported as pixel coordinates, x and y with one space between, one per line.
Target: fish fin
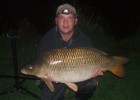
72 86
118 69
121 60
99 51
49 84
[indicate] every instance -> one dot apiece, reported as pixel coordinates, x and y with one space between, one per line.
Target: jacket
53 39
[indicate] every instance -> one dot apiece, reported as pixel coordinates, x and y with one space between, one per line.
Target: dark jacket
52 40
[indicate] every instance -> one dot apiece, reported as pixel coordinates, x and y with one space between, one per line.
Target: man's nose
65 22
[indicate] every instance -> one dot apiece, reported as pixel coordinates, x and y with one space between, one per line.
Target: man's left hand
97 72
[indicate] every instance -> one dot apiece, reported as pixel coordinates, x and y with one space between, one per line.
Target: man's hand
97 72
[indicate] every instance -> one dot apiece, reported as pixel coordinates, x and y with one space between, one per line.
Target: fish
71 65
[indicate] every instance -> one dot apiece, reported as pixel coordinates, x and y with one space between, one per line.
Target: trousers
85 90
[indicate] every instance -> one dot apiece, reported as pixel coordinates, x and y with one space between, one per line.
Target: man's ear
56 20
76 21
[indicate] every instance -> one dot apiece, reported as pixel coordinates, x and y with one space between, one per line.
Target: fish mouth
23 71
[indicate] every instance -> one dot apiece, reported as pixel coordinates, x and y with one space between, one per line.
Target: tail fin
118 69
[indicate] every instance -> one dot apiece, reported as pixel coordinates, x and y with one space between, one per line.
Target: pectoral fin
49 84
72 86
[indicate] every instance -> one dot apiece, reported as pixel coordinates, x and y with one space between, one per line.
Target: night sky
123 16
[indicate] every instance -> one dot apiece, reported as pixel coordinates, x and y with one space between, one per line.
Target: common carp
70 65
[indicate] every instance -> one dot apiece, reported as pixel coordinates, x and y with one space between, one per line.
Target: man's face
66 23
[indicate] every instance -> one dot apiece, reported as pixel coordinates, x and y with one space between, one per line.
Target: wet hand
97 72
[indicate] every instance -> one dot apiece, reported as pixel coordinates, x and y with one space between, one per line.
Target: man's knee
86 89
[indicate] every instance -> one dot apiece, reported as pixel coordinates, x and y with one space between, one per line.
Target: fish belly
74 75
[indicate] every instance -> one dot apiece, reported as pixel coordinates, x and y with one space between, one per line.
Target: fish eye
30 67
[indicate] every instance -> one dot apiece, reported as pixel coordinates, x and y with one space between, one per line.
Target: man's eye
71 18
60 18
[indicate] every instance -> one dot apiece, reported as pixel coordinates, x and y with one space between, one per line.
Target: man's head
66 18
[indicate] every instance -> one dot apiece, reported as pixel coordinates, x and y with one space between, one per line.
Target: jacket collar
74 36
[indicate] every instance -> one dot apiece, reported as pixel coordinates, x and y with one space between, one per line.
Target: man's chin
66 33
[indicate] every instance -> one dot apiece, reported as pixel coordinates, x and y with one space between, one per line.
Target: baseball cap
66 9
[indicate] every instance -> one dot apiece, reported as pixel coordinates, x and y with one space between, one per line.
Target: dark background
122 16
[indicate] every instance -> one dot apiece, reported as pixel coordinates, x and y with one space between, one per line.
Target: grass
26 50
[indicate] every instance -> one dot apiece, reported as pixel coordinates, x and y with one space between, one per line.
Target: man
66 35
